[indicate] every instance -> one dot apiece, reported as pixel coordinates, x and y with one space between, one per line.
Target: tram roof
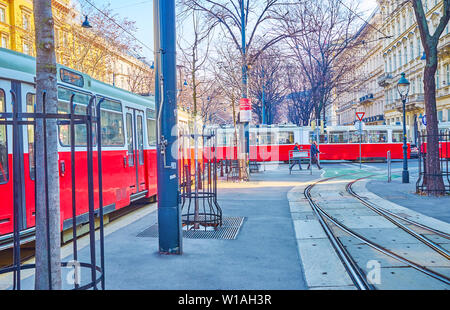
18 62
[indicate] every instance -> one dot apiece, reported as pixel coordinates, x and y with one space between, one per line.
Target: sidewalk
264 255
405 195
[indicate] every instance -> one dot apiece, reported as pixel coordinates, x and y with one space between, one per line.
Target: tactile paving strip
228 231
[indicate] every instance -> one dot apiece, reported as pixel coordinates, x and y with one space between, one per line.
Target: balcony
384 79
444 45
366 99
414 102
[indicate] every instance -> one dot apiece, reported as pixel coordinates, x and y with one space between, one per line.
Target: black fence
198 181
422 184
91 120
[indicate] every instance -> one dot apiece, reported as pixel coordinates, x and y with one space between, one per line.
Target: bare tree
48 252
433 180
299 101
267 85
195 51
94 51
319 34
140 80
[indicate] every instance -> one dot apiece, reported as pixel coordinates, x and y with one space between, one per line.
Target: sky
141 11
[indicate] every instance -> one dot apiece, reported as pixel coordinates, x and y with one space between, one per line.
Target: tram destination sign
71 77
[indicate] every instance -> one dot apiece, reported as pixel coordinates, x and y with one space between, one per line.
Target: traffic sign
424 120
360 115
245 107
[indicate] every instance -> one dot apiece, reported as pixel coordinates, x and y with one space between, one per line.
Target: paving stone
308 229
321 264
408 279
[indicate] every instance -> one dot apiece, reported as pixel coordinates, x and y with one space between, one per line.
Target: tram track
356 272
395 219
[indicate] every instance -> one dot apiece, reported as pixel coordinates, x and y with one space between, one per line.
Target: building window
25 21
440 115
2 15
411 47
26 48
437 79
447 79
4 41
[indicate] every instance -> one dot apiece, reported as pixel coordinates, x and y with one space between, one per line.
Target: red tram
128 143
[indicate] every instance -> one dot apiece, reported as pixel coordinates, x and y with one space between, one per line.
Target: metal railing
17 119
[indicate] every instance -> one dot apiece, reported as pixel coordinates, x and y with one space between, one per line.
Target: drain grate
228 231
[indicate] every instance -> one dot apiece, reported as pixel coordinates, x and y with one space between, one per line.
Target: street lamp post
403 90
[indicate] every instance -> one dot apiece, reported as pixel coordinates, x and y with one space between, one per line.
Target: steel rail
356 274
384 214
373 245
430 229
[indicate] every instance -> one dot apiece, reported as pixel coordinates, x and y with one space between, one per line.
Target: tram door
6 182
13 97
135 142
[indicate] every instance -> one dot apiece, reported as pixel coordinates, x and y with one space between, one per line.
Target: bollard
389 166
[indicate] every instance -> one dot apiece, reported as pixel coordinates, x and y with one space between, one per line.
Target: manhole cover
229 230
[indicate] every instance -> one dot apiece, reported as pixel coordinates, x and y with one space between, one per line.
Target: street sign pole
169 213
360 116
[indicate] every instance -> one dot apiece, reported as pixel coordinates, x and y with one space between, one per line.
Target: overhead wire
120 26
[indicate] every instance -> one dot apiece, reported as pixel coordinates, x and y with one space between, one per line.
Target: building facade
401 51
362 92
75 47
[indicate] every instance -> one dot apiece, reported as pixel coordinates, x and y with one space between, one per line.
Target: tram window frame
78 105
130 138
30 133
140 138
399 133
354 133
4 174
151 136
266 137
378 133
342 134
323 138
117 112
289 140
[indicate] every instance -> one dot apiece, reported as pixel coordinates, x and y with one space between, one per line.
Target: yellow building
404 53
75 46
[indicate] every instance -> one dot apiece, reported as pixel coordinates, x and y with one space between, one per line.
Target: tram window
4 176
151 127
31 100
80 129
130 140
266 138
79 98
112 124
286 137
338 137
140 139
355 137
397 136
323 138
377 136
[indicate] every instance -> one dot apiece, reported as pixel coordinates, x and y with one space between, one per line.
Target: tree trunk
433 179
48 267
